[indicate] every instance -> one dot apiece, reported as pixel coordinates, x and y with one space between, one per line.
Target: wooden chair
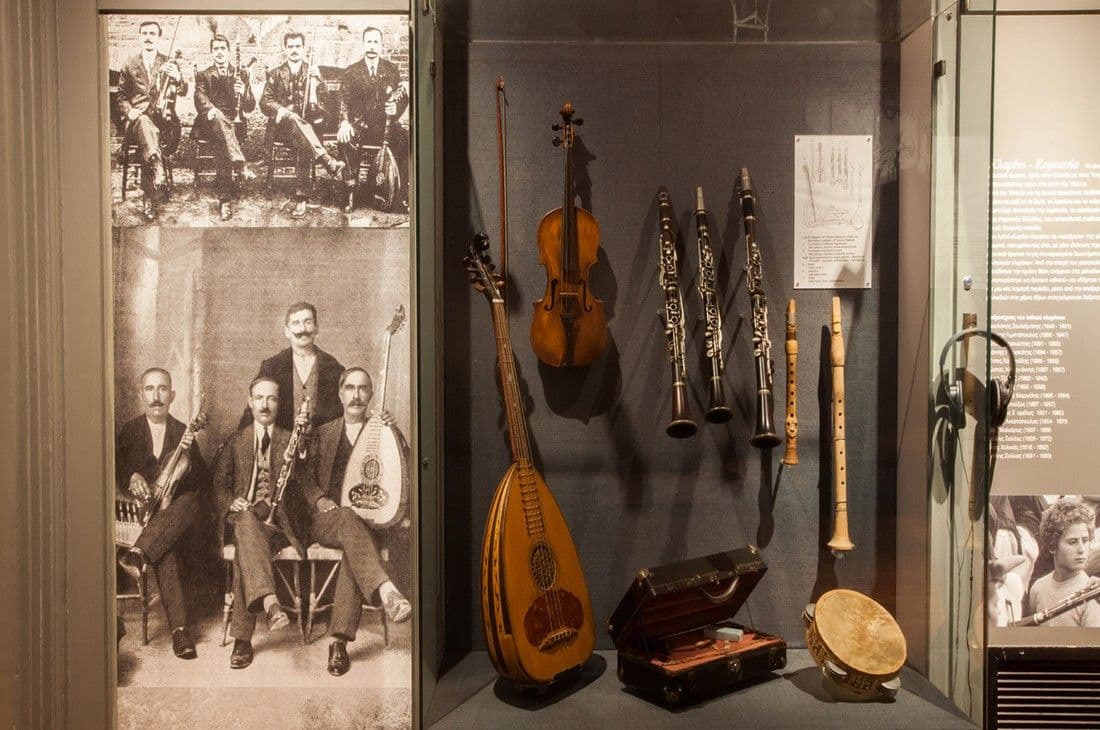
753 15
331 557
130 159
285 557
127 528
280 156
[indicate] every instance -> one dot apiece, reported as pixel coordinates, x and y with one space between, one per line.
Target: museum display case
806 325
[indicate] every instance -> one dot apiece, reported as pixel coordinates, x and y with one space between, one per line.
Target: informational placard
833 190
1045 298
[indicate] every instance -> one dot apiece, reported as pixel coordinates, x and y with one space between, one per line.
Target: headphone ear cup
998 402
955 407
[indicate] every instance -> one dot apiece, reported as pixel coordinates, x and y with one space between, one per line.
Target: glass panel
959 299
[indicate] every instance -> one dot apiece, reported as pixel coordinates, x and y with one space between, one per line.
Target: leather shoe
132 561
242 654
276 618
299 210
182 644
338 661
225 210
246 173
397 607
148 209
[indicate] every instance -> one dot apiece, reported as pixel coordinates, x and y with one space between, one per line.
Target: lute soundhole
555 617
369 494
544 568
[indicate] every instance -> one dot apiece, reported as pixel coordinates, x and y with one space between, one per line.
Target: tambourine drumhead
860 632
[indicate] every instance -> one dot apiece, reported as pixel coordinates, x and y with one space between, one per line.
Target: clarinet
718 411
292 448
237 97
764 435
668 277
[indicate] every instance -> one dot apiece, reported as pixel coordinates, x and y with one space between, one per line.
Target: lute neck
382 375
509 384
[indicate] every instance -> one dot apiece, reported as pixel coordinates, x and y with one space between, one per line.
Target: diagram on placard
832 209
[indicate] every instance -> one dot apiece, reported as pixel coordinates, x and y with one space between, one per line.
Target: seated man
372 93
142 448
361 573
137 96
221 95
283 103
245 477
1066 531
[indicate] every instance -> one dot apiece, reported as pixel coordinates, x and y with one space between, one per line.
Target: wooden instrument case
659 627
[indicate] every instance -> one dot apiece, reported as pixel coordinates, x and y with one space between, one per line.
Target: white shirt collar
353 429
303 364
157 430
295 67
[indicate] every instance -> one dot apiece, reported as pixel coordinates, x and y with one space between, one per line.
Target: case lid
691 594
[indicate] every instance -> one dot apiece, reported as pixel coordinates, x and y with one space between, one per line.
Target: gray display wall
676 114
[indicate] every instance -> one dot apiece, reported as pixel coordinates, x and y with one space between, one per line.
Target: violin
164 108
569 328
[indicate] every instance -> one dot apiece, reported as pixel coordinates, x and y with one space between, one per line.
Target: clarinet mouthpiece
699 204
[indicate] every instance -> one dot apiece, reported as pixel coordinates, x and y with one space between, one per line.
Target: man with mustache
245 476
217 90
303 369
137 91
282 102
371 92
331 525
142 447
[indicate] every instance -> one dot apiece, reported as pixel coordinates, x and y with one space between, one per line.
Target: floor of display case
469 695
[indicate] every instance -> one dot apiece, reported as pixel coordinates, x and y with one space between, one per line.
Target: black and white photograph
263 411
259 120
1044 564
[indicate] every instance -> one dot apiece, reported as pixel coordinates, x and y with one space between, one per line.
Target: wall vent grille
1043 687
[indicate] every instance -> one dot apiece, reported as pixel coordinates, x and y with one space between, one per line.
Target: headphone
998 392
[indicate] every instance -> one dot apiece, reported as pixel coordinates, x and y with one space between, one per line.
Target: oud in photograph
294 101
259 496
159 475
222 95
668 278
568 327
763 436
148 85
535 608
339 522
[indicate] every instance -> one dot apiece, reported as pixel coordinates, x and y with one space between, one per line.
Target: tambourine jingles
857 643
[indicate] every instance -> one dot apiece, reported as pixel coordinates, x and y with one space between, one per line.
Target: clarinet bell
681 426
718 412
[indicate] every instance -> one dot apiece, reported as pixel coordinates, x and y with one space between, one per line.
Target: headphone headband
988 334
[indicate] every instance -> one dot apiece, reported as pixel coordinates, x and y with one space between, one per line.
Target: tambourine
858 645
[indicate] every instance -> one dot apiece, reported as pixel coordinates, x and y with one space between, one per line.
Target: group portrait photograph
263 120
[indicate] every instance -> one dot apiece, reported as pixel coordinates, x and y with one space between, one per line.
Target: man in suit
303 369
137 90
282 102
245 476
142 448
217 91
331 525
372 92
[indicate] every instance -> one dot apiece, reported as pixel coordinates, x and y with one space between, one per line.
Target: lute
376 483
535 607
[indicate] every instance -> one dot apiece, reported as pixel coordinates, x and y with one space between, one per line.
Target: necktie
265 442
